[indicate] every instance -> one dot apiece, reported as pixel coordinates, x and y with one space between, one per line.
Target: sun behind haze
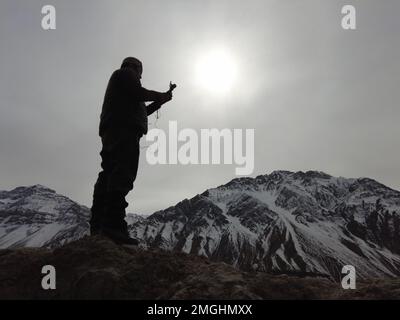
216 71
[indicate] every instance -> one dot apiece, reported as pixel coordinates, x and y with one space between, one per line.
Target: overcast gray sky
318 97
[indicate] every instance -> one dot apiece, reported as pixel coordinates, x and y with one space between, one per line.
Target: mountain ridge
307 223
286 221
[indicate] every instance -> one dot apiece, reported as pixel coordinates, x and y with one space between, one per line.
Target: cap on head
131 62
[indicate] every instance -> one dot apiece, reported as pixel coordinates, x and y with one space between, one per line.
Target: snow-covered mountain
132 218
37 216
286 222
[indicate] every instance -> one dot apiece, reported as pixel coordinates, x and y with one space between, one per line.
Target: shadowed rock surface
96 268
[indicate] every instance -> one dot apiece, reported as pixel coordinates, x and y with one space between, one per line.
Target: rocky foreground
96 268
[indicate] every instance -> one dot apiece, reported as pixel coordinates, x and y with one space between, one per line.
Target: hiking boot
119 236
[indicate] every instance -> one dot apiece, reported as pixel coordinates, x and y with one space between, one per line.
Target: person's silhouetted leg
122 149
98 210
99 203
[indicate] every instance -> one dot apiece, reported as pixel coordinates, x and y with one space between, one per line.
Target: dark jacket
123 106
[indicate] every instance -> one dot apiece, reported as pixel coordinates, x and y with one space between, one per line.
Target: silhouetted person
123 122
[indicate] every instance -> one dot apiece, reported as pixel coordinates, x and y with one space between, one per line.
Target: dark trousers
120 159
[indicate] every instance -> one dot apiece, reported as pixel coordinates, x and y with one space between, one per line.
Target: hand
166 96
172 86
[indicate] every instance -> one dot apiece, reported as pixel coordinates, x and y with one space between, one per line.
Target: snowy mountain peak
304 222
38 216
40 187
31 189
281 176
